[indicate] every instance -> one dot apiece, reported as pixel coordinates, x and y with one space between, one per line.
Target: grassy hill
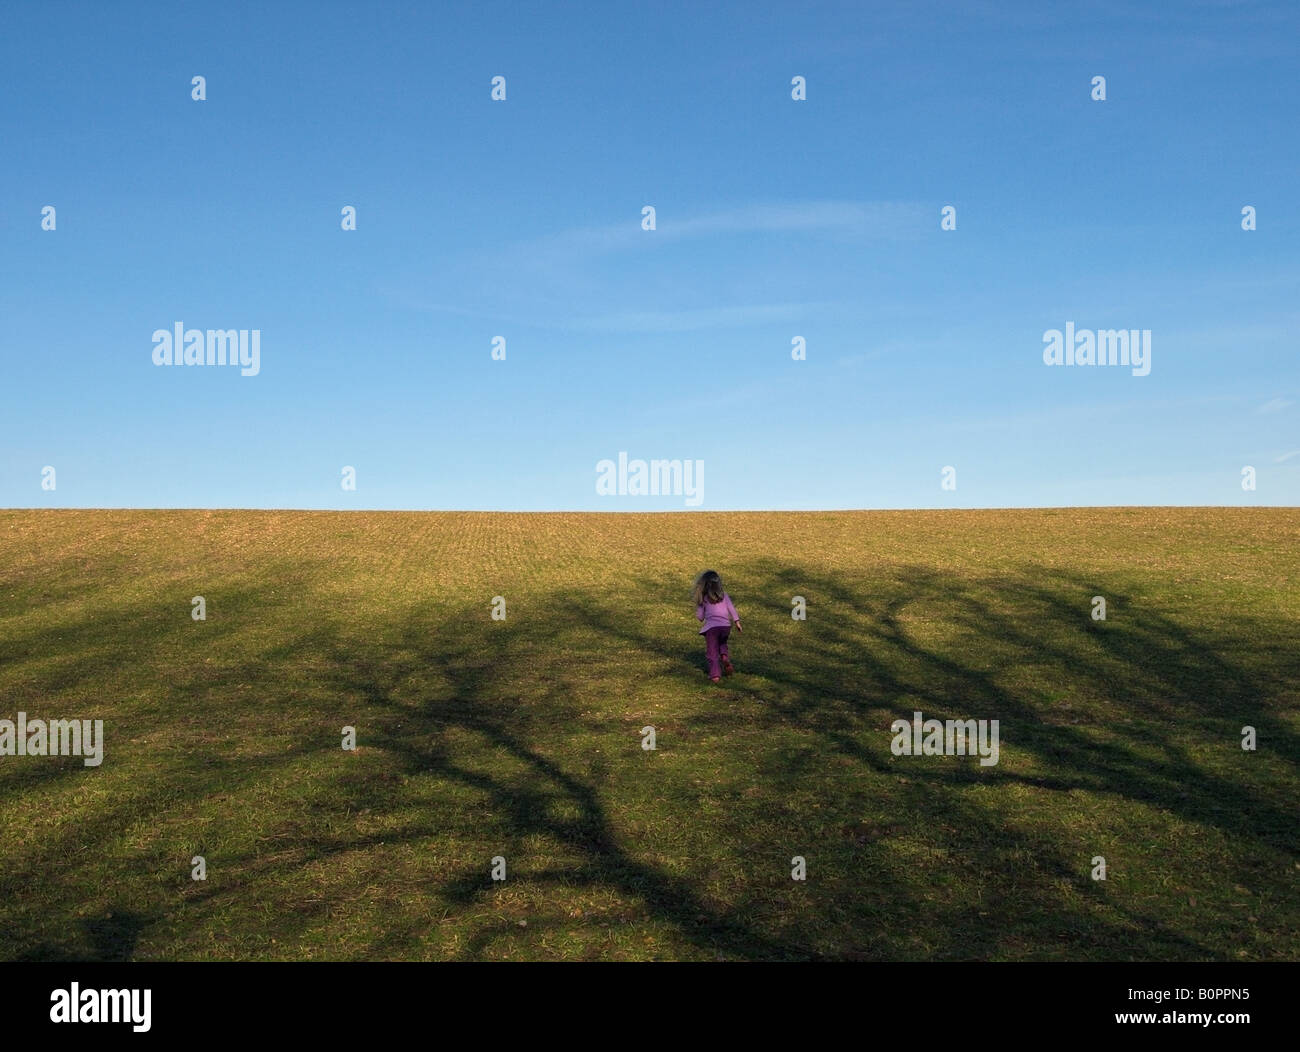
522 738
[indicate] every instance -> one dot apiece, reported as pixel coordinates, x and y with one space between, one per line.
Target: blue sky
775 218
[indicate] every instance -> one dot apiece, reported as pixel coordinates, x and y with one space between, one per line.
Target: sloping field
522 738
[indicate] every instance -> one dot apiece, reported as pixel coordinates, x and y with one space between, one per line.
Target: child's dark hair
708 588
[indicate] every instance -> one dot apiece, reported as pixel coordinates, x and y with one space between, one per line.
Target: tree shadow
111 937
913 857
863 660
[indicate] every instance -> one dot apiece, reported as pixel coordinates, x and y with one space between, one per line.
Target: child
714 608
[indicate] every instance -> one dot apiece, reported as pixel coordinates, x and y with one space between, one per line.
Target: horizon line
668 511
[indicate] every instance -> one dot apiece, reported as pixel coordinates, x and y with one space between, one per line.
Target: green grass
522 738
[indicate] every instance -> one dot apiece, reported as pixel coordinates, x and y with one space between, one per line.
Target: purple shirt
716 615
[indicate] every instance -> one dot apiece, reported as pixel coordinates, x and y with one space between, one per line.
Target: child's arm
699 612
731 609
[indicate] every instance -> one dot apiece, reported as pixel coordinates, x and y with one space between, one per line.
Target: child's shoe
727 667
715 679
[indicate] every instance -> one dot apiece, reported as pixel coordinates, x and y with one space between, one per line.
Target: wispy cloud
574 279
879 218
850 218
1274 405
688 320
1286 456
551 315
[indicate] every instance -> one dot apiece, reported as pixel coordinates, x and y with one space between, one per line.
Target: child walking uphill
714 608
